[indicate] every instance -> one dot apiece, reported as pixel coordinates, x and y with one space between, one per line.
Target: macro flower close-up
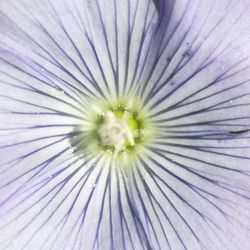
125 125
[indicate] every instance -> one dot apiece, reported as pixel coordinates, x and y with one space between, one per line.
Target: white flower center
115 132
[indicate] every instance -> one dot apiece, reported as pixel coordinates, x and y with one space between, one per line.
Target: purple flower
124 124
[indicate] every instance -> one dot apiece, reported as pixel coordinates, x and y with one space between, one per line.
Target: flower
124 124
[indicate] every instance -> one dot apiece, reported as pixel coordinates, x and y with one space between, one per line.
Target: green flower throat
118 128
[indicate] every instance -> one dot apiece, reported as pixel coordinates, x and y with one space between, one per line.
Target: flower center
118 130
